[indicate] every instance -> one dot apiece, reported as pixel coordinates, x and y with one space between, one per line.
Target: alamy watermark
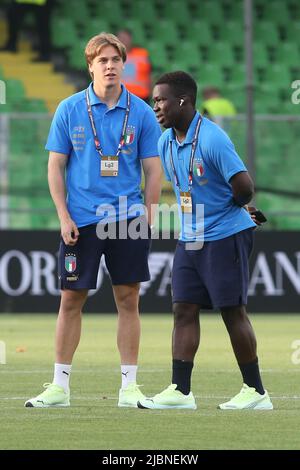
295 357
131 221
295 98
2 92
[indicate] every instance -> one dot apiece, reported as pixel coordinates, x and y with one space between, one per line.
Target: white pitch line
141 371
200 397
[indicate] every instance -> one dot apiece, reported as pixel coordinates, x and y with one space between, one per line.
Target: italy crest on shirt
199 167
199 171
129 135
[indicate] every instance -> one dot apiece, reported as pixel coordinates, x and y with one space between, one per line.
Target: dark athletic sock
251 376
182 371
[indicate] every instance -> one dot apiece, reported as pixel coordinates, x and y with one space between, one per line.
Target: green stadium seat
292 32
79 13
210 74
138 31
64 33
210 12
15 91
290 108
188 53
232 32
166 32
19 214
177 11
266 32
113 14
76 55
221 53
33 105
199 32
158 54
236 94
144 11
277 74
237 74
234 11
6 108
94 27
276 12
260 55
287 53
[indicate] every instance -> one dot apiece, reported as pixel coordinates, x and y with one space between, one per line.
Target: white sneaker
248 399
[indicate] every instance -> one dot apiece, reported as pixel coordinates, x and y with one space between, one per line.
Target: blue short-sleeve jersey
71 134
215 162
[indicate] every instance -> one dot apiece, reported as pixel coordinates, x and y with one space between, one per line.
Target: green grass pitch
95 422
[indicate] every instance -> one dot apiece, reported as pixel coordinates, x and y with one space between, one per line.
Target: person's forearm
152 195
56 180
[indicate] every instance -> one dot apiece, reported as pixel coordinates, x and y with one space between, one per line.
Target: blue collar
190 133
95 100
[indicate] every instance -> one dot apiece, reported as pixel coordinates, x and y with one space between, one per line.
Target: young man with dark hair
99 140
211 259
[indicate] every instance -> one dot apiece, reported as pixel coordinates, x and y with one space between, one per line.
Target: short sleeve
223 155
150 133
59 137
162 153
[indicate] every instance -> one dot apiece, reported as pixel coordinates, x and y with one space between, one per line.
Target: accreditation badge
109 166
186 202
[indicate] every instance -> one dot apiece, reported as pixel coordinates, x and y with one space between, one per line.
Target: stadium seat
292 30
276 12
279 74
79 14
113 14
188 53
158 54
199 32
177 11
166 32
76 55
138 31
94 26
232 32
14 90
210 74
144 11
266 32
260 55
211 12
220 53
64 33
287 53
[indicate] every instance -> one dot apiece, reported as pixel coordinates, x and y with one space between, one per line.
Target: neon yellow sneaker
129 396
248 399
54 396
169 398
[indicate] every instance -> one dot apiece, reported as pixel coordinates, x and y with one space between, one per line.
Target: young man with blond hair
99 139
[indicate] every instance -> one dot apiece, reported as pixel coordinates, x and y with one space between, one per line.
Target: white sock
62 375
128 375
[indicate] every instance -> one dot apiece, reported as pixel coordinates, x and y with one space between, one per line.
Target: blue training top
215 162
71 134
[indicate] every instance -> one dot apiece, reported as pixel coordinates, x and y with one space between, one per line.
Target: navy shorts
216 275
125 259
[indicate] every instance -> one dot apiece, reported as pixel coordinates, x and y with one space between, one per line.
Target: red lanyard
123 133
192 156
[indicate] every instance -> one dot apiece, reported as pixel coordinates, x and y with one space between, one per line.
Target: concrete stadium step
40 80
